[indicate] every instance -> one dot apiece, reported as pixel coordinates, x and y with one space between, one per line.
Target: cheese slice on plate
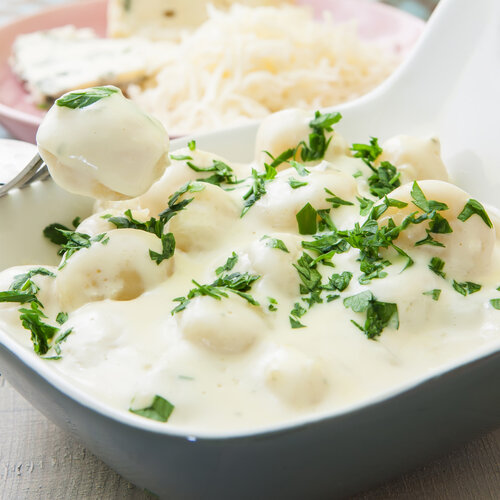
56 61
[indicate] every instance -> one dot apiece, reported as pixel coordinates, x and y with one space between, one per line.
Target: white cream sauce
229 366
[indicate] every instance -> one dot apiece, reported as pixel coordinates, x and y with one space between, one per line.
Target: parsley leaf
338 281
335 200
307 219
159 410
301 170
294 184
192 145
294 323
168 249
53 233
223 173
258 188
436 265
474 207
228 266
466 288
84 98
275 243
62 317
318 144
41 333
14 296
495 303
379 315
181 157
435 293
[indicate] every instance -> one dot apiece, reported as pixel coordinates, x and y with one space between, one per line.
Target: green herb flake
294 323
273 304
229 265
307 219
436 265
335 200
181 157
295 184
379 315
84 98
474 207
159 410
168 249
316 148
62 317
466 287
41 333
301 169
495 303
275 243
435 293
192 145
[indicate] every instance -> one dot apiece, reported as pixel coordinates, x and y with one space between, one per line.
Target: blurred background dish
21 116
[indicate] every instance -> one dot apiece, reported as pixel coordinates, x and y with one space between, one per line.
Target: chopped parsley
159 410
385 178
294 323
236 282
181 157
474 207
228 266
379 315
301 170
192 145
223 173
258 188
307 219
435 293
84 98
275 243
495 303
62 317
295 184
316 148
273 304
41 333
335 200
436 265
76 241
338 281
157 225
466 287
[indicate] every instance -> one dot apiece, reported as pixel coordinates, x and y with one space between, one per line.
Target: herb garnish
474 207
318 144
82 99
385 178
157 225
159 410
223 173
275 243
307 219
294 183
379 315
192 145
466 288
435 293
436 265
495 303
335 200
236 282
258 187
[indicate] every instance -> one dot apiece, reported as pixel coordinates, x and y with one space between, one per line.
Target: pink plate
22 118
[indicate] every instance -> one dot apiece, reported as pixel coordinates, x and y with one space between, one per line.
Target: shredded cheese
246 63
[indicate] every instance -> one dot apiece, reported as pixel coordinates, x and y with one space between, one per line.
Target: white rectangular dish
327 457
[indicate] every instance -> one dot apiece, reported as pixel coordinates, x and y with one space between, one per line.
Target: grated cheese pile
246 63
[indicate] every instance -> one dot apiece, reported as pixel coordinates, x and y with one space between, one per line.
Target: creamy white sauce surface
229 366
